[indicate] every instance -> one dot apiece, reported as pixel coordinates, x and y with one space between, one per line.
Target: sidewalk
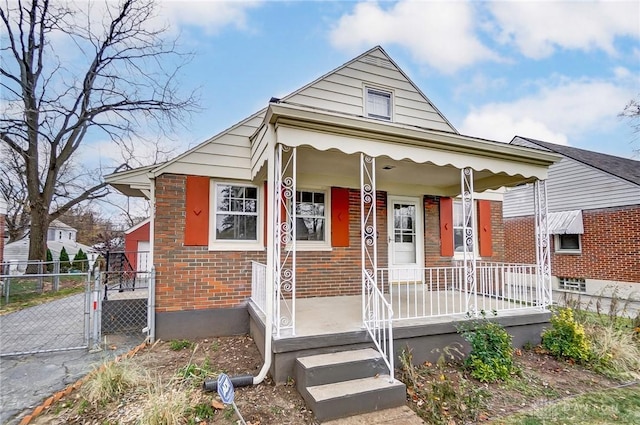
26 381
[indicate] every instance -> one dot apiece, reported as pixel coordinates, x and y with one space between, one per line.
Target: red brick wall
610 245
193 278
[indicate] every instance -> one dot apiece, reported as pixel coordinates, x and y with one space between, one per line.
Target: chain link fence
43 309
124 295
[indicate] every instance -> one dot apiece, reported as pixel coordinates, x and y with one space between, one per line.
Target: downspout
151 309
246 380
271 222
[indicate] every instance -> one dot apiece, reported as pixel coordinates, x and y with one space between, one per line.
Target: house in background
59 235
594 221
347 214
136 246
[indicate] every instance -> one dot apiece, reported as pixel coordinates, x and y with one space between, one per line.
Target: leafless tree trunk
70 77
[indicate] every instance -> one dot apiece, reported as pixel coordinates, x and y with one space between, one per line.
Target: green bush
49 261
65 265
80 261
491 356
566 337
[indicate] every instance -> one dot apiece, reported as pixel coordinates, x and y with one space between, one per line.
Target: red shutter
339 216
484 223
446 227
196 232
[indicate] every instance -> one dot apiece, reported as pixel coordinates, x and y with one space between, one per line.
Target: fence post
97 309
56 275
7 287
87 311
40 277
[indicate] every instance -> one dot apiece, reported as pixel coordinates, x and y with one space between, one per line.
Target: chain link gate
53 321
121 299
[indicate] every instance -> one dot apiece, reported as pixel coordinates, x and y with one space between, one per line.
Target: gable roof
253 123
624 168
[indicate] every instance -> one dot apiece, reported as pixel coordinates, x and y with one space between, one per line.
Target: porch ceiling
420 157
336 168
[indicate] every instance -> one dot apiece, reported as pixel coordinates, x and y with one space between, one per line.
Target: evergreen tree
49 261
80 261
65 265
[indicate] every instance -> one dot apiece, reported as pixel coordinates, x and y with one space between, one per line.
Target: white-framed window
569 243
458 228
311 216
378 103
312 219
235 216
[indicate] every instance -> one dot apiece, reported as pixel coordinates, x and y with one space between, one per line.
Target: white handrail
378 320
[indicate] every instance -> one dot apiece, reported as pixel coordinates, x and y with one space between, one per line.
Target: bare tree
71 77
632 112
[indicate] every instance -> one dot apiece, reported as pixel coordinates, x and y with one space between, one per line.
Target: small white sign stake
227 394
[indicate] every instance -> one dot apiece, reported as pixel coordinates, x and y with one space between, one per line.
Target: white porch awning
566 223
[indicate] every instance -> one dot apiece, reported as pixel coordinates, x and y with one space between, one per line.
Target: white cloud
539 28
440 34
560 112
209 15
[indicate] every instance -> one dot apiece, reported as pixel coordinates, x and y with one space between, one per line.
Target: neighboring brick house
594 220
292 188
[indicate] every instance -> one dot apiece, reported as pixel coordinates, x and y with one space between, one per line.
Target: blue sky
557 71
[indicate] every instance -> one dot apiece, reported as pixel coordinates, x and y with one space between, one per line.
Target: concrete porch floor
343 314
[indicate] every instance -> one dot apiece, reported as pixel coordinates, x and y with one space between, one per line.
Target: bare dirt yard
168 378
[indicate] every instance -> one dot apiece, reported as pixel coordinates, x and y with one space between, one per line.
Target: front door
406 259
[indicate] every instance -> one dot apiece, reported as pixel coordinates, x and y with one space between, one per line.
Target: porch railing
378 320
443 291
259 285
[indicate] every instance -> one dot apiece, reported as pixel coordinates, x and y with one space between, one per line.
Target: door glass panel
404 248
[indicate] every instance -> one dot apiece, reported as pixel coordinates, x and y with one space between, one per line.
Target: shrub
491 356
49 261
566 337
65 265
80 260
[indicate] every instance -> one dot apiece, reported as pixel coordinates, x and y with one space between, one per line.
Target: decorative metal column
468 219
543 255
368 229
284 240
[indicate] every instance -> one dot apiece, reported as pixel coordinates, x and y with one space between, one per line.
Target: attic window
378 104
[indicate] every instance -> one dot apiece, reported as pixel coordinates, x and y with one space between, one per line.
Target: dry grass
616 350
165 405
111 381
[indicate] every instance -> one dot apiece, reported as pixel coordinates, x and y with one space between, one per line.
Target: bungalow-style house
594 221
347 214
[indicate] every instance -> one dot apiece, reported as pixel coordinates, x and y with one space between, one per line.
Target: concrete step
356 396
341 366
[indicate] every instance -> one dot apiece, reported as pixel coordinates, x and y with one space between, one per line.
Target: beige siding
573 185
342 91
227 155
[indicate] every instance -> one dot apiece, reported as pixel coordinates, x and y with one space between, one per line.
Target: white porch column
543 255
284 248
368 228
469 250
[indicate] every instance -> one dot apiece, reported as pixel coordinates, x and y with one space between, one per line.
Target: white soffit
566 223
